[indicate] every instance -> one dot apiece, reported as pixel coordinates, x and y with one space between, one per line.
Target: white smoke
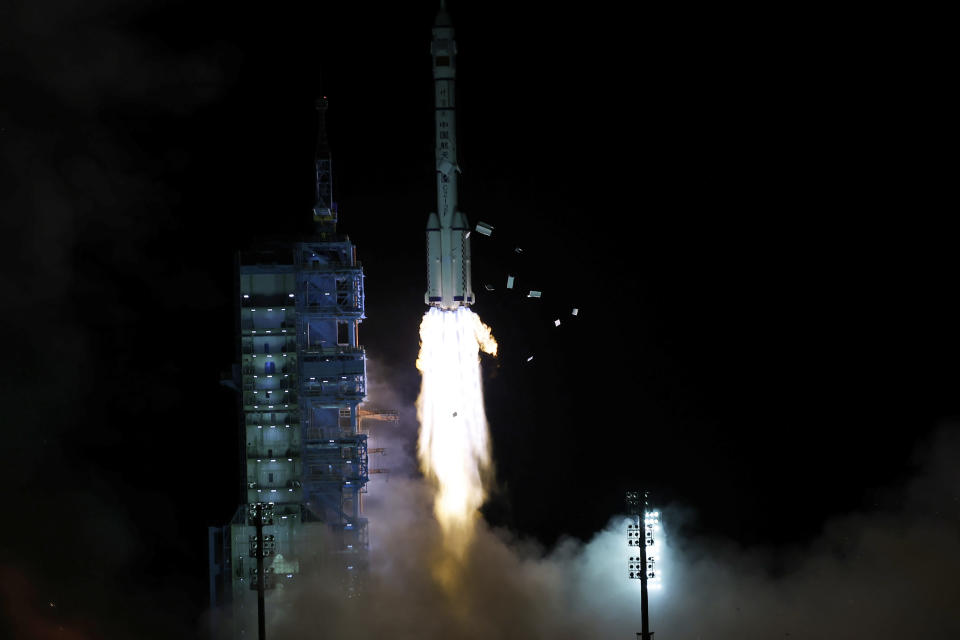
879 574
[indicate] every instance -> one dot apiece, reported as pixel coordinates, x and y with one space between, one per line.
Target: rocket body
448 242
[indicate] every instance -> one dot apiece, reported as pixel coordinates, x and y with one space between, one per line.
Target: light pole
642 567
262 515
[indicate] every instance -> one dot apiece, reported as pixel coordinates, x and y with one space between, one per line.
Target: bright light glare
651 524
454 443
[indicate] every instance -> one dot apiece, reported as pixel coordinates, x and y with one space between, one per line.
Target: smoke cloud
885 572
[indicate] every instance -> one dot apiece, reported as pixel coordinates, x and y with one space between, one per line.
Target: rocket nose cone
442 19
433 222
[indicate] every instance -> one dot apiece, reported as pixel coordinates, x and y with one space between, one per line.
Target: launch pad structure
300 380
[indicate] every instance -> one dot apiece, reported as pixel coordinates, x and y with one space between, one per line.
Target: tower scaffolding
301 378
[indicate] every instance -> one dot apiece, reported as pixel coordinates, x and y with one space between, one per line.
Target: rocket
448 241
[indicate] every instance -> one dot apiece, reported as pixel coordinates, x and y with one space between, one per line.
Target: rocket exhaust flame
454 442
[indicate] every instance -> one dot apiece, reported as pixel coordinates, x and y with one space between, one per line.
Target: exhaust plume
454 442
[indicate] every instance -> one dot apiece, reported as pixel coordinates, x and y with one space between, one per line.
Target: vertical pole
636 507
644 611
261 576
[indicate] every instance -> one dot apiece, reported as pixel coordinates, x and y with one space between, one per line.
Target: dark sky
747 210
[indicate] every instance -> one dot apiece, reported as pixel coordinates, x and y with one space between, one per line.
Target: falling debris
454 414
533 294
574 312
484 228
530 358
509 282
518 250
556 322
488 287
466 235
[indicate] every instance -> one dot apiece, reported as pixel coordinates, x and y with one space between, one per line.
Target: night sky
749 212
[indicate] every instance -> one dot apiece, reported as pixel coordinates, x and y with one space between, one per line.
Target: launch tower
301 377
